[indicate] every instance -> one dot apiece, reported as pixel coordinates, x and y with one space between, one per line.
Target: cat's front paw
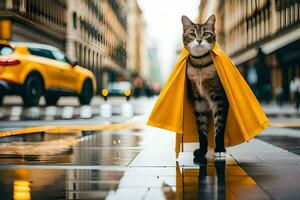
200 153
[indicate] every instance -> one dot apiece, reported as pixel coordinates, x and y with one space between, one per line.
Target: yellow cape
173 111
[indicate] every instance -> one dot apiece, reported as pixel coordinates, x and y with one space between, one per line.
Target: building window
84 56
74 16
89 59
80 54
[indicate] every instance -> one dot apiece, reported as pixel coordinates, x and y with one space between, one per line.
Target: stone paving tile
159 153
128 193
147 182
275 170
150 171
160 193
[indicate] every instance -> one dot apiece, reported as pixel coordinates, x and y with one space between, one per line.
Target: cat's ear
186 21
211 20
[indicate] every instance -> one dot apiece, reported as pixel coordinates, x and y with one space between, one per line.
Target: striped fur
207 93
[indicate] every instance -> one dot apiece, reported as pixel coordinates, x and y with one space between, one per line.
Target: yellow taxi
32 70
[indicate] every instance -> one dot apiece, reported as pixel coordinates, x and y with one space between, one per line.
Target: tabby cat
206 90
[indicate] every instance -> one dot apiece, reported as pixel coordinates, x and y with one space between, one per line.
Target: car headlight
104 92
127 93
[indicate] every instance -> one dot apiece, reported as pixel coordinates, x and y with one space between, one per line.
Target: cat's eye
205 34
192 34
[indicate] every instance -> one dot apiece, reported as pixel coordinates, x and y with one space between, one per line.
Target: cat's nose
199 41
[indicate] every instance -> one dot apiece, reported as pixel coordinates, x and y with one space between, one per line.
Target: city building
137 47
263 39
34 21
96 38
93 33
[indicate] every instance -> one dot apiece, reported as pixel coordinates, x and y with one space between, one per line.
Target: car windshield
5 50
60 56
119 85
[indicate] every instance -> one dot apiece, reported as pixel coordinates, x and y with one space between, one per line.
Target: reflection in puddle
21 190
91 184
213 179
73 147
25 184
83 151
38 144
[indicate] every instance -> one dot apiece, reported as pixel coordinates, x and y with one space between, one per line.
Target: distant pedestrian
264 77
148 91
296 84
279 96
292 91
138 85
252 78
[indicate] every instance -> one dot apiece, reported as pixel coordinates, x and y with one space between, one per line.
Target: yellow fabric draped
173 111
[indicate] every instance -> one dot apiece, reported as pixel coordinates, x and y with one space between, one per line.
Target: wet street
118 157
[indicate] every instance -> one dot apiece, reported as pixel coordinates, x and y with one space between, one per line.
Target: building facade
263 39
91 32
96 37
137 47
34 21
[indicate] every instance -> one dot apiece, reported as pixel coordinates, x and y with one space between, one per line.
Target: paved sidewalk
254 170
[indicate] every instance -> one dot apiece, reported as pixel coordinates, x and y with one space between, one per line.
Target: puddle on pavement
81 178
76 148
214 180
57 184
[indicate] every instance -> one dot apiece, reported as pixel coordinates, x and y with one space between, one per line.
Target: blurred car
32 70
118 88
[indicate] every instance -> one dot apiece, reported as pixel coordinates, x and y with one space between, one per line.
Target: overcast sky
163 22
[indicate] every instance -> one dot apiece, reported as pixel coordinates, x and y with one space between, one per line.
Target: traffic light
5 29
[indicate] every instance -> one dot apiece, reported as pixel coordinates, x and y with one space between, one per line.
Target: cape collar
199 57
191 60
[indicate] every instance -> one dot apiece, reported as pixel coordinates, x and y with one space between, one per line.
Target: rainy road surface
127 160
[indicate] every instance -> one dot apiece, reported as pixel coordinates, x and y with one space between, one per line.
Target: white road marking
86 112
67 112
105 110
50 112
15 113
33 112
127 110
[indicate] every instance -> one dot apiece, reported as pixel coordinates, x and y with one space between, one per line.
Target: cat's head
198 38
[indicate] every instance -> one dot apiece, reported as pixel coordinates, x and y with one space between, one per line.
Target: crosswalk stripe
50 112
67 112
33 113
16 113
86 112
